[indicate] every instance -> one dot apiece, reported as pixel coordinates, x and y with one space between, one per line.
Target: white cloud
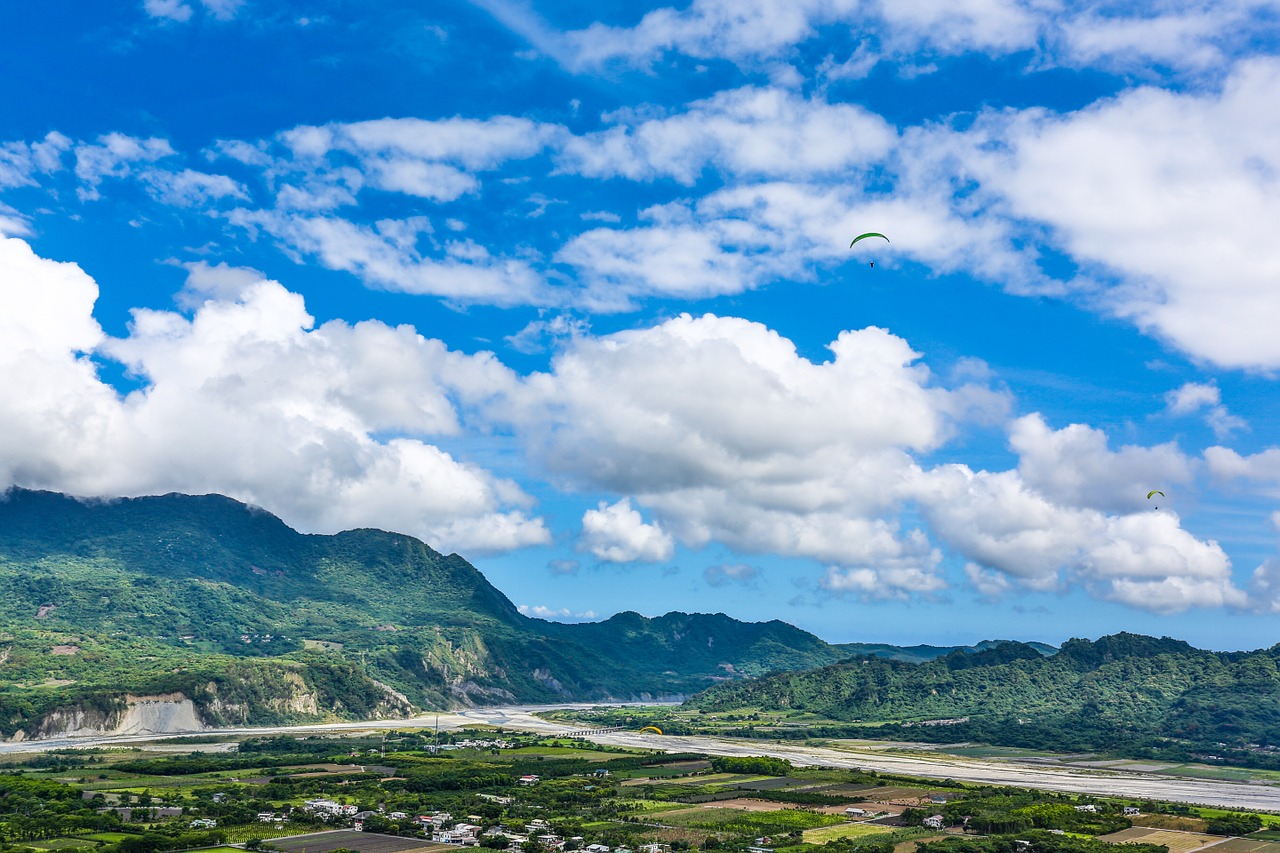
181 11
435 160
20 161
1262 467
723 574
1196 396
1170 193
387 256
744 132
248 399
1185 35
218 282
617 533
725 433
189 188
563 614
172 10
988 583
1144 560
114 156
223 10
1074 466
542 334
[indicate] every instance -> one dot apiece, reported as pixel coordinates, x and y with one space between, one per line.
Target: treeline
1032 842
762 765
1142 696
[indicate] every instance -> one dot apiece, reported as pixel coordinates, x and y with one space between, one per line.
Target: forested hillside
1126 692
228 606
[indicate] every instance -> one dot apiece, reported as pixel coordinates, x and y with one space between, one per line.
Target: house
203 823
268 817
852 812
597 848
655 848
531 779
549 841
1090 807
1129 811
600 774
933 821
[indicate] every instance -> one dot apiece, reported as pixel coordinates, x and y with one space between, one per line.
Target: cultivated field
823 834
1177 842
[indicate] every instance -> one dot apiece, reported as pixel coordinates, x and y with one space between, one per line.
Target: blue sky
567 288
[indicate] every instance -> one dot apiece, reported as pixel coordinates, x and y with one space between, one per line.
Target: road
1067 779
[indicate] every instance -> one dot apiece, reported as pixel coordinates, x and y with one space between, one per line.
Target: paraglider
1154 492
870 234
653 729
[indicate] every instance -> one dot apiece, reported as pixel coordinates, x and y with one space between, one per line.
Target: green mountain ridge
207 598
1127 693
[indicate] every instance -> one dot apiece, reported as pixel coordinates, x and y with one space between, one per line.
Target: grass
642 806
735 820
823 834
81 843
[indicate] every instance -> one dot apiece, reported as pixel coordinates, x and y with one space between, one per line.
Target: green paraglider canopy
1154 492
870 234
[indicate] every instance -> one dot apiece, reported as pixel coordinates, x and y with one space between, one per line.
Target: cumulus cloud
1014 537
1074 466
617 533
248 398
724 432
1261 467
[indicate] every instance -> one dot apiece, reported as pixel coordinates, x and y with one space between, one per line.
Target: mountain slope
224 603
1127 692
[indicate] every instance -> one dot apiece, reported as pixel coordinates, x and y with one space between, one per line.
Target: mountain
206 599
917 654
1125 692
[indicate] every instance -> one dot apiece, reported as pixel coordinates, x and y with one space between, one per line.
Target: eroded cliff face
235 698
169 713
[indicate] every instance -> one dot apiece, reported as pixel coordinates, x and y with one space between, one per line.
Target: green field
823 834
737 820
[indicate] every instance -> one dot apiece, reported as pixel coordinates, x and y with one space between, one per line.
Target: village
429 793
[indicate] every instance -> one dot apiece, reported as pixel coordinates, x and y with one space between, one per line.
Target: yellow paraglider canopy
653 729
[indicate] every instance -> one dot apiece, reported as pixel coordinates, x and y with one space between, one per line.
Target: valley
873 756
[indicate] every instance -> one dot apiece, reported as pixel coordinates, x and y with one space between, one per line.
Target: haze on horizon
567 288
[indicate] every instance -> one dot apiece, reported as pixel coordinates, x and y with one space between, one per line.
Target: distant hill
917 654
1128 693
207 598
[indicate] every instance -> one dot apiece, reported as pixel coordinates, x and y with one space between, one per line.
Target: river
1102 782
